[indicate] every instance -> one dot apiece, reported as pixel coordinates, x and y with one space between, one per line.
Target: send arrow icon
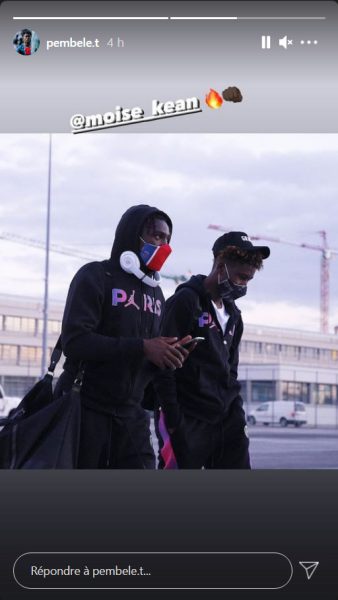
309 567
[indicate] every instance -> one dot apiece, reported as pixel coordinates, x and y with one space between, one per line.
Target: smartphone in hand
195 340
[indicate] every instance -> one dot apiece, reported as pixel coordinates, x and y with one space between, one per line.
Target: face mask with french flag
154 256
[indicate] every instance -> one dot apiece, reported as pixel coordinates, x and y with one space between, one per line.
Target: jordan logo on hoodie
131 301
206 320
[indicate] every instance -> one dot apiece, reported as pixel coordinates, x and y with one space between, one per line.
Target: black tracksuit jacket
206 386
102 331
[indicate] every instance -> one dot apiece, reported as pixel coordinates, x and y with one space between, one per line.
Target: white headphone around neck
130 263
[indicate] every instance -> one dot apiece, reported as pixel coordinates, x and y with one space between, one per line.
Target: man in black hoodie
201 402
111 325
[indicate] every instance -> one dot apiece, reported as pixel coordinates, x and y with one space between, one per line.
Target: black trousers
109 442
224 445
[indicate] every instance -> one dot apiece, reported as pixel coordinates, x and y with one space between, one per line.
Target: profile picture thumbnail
26 42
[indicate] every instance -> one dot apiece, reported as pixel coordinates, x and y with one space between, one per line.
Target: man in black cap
201 402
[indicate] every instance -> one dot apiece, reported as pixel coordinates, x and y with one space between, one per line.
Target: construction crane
18 239
326 255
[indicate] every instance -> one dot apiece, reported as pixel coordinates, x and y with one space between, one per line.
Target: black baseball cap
240 240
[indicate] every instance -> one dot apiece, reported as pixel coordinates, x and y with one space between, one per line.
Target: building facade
275 364
21 327
286 364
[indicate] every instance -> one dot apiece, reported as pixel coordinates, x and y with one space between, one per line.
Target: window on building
334 354
263 391
30 355
12 323
308 352
296 390
244 346
271 349
250 347
28 325
8 353
54 327
22 324
324 354
325 393
244 391
17 386
290 351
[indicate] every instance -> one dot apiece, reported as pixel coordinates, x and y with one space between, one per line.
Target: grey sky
282 185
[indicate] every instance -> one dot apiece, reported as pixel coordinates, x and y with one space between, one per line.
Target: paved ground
291 448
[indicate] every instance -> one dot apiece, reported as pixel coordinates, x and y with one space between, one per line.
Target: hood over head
129 228
196 283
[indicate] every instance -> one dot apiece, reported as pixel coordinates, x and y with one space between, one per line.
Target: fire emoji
213 99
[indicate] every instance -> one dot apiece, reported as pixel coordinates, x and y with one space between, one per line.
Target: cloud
281 186
281 314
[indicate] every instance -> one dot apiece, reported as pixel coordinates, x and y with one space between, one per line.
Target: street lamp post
47 249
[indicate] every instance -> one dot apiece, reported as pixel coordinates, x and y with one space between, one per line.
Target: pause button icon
266 42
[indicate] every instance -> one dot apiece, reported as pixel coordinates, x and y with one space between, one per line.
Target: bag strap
54 359
56 355
77 383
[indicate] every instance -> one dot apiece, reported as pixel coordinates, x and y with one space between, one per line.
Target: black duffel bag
43 433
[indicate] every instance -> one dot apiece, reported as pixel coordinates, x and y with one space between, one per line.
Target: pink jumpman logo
131 301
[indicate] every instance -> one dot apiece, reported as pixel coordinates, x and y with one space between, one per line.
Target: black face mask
230 291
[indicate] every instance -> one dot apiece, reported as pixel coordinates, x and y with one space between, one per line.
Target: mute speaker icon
285 42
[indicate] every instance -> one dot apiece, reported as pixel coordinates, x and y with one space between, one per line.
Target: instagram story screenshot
169 300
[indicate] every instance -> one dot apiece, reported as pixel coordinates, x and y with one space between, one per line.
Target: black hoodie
108 313
206 385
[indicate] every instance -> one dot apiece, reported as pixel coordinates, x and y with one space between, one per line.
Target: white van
7 403
282 412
